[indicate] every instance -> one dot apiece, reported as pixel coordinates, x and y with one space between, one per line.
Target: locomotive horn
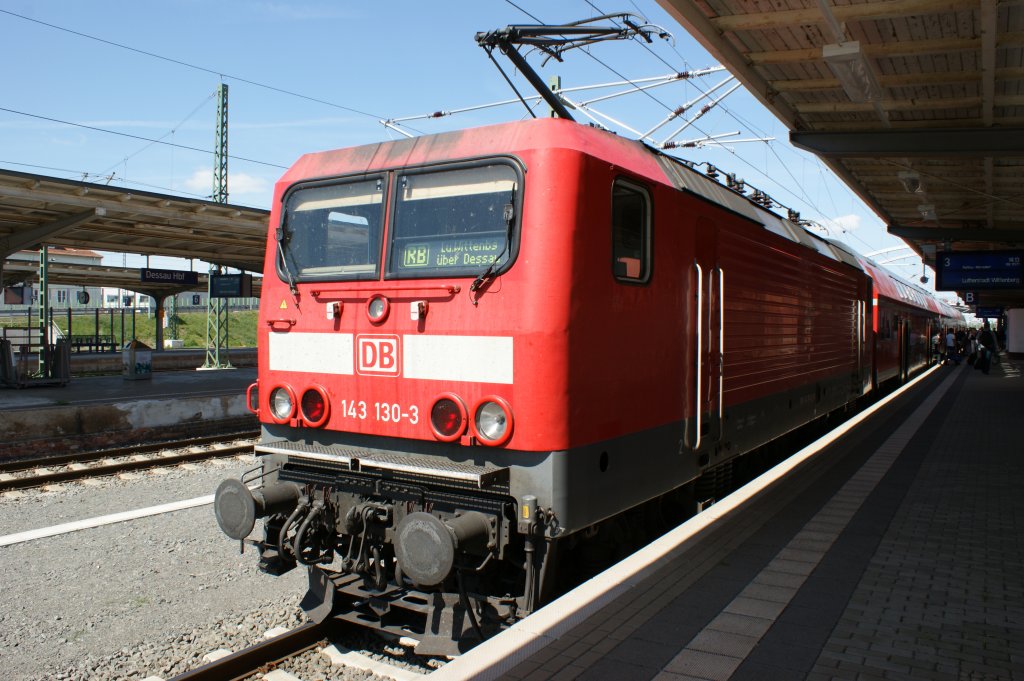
425 545
237 508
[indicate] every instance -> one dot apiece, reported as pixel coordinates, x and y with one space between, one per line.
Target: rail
25 473
243 663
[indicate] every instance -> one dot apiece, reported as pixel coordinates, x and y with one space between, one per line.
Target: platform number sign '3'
378 355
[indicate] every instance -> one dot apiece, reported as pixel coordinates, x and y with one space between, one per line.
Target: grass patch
192 326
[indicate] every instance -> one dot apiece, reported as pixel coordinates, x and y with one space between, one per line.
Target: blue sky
363 61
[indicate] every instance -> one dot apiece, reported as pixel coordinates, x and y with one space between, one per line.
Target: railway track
275 652
51 470
250 660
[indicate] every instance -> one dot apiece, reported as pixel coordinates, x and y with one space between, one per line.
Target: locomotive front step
359 458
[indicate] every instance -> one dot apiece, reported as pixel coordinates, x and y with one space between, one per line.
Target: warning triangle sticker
284 304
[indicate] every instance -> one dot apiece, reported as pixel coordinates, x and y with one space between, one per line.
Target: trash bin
137 361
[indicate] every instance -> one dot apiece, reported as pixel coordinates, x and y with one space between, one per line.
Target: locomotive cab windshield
452 222
333 231
446 222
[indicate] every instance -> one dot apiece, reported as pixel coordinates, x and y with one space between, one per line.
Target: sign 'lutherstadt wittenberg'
975 270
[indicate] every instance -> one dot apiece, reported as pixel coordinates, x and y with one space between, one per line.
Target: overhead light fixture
927 211
911 181
848 64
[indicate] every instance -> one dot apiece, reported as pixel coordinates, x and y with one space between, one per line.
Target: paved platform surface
112 389
895 553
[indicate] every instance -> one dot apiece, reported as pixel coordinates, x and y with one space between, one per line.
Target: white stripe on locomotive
476 359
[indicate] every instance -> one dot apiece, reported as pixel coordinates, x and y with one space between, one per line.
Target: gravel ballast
145 597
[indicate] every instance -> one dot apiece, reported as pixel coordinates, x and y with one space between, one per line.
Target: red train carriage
478 349
904 321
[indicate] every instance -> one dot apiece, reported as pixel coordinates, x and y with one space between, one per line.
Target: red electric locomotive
480 350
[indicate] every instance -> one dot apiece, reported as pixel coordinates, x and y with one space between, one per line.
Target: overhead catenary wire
593 114
216 72
653 81
739 119
170 132
614 71
703 110
794 187
663 104
80 173
137 137
637 88
805 199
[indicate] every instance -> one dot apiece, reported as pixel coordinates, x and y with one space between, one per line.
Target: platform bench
92 343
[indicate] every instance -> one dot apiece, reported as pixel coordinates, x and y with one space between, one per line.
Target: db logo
378 355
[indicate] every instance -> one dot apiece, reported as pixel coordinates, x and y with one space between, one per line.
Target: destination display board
988 312
231 285
978 270
449 253
153 276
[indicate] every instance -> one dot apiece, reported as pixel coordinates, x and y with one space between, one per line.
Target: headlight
448 418
282 404
377 308
314 406
492 421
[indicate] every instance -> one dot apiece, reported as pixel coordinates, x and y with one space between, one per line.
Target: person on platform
972 347
988 347
951 355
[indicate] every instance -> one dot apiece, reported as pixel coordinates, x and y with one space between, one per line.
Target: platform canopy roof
102 276
918 105
36 209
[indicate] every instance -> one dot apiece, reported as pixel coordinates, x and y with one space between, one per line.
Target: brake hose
318 507
302 506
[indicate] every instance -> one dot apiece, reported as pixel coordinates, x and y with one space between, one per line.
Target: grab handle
273 323
700 306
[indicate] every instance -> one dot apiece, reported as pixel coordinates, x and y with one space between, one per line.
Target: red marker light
448 418
314 406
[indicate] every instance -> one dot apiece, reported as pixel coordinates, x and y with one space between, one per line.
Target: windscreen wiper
282 237
508 214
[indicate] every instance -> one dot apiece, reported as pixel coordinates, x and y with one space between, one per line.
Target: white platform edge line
853 495
494 657
99 521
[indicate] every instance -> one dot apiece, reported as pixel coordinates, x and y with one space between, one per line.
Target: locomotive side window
332 232
453 222
631 232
